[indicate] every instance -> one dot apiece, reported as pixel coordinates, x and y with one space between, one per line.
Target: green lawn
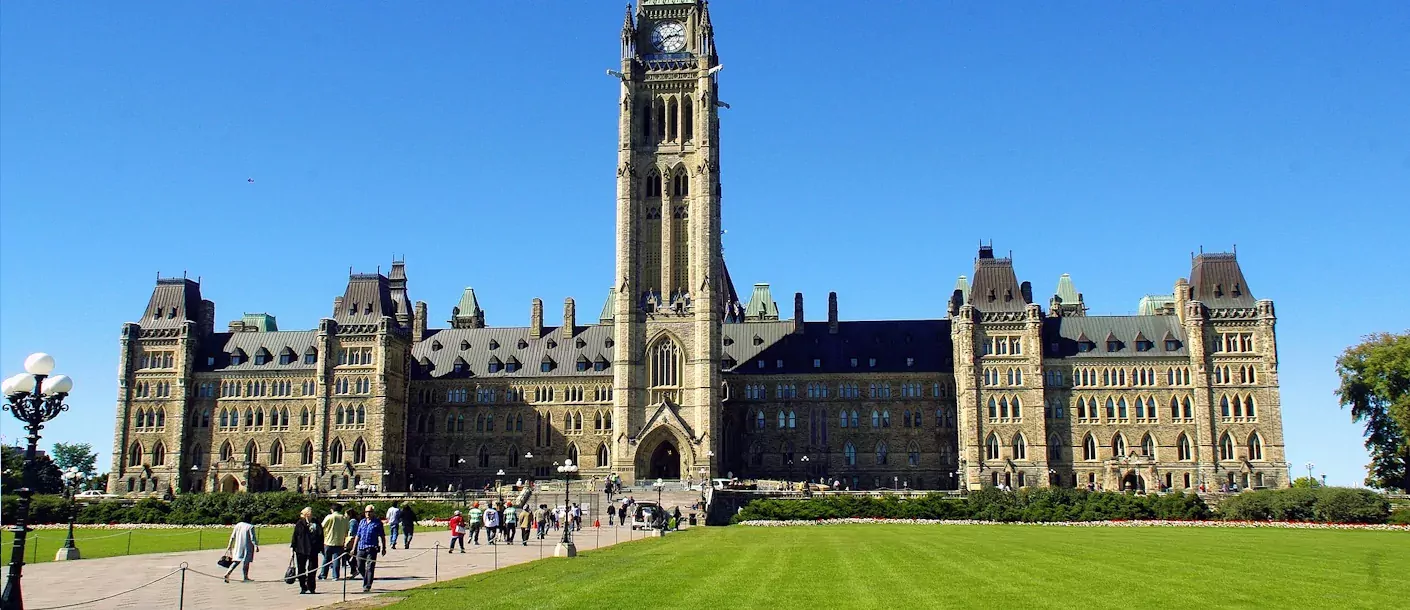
910 566
94 542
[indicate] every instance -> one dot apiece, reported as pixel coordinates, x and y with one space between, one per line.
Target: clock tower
668 307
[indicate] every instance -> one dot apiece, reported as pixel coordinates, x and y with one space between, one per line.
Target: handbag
224 561
290 574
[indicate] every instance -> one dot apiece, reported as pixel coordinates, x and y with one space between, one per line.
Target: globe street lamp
498 482
71 479
33 403
807 489
1309 473
566 547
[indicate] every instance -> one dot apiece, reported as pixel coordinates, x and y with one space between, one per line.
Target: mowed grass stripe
875 566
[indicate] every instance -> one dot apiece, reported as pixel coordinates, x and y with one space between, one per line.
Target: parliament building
676 376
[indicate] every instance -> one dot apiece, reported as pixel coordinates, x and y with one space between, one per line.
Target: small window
1113 346
871 362
1085 346
817 363
778 364
854 363
910 361
1144 346
1171 345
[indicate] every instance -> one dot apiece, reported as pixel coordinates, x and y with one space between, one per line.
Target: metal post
436 569
199 534
129 543
181 590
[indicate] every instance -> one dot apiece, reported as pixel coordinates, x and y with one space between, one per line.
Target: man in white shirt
393 522
491 522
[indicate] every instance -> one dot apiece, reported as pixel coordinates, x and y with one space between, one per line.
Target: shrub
1248 506
1180 507
1400 516
1321 504
1343 505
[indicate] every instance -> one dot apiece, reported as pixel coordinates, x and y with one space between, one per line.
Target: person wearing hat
475 522
457 532
511 521
491 523
371 540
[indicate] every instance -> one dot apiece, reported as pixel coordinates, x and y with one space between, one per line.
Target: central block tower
667 297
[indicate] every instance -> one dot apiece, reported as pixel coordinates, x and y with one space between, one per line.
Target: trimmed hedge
271 508
1025 505
1319 504
1399 516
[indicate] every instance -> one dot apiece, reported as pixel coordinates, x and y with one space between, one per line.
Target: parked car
93 494
644 514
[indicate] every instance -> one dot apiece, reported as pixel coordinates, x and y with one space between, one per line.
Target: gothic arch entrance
1133 482
665 461
229 484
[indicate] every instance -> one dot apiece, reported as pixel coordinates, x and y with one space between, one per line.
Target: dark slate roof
1217 281
174 301
995 287
221 345
1060 336
891 342
367 299
565 352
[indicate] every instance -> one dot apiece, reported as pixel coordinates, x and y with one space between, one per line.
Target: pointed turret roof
761 304
609 308
1217 281
1065 290
467 313
962 285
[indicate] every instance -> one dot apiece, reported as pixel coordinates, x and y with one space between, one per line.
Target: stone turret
570 318
536 319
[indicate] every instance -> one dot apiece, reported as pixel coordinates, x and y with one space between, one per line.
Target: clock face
668 36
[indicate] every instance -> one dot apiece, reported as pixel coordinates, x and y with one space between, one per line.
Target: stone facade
679 378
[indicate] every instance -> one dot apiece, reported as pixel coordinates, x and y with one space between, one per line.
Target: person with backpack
407 517
491 523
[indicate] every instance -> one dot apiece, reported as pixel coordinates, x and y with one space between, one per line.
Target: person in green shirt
476 522
335 533
511 521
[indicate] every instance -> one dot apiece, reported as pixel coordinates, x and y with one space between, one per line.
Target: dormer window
1113 346
460 366
729 341
494 345
552 344
464 345
727 363
436 346
287 356
523 344
779 364
1144 346
580 344
871 363
600 364
367 309
1085 346
157 315
910 361
237 357
171 313
262 356
495 365
311 356
758 340
817 363
609 343
992 297
583 363
1218 290
546 366
1171 345
853 362
1008 294
1237 291
761 363
511 366
352 309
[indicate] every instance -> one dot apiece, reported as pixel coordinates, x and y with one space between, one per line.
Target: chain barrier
94 601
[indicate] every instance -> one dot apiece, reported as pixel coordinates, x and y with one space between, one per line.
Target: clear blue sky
867 152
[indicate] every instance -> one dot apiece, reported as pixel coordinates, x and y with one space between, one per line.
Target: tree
48 480
1375 384
1306 483
11 459
78 455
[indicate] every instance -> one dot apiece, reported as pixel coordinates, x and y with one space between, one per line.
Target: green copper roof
1151 304
761 304
962 285
262 321
609 309
1066 292
468 305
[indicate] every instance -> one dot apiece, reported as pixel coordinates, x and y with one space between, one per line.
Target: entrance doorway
229 484
665 461
1133 482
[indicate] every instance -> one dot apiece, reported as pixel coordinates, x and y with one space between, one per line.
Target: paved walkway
59 584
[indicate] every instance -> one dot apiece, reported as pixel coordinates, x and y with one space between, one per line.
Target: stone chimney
797 313
337 306
832 313
536 320
418 323
570 318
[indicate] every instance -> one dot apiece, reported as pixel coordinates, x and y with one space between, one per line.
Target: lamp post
498 482
71 479
1309 473
806 473
566 547
32 403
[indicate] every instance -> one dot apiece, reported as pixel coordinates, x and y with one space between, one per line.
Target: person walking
457 532
371 539
242 548
335 534
541 519
306 543
526 521
393 525
491 523
577 517
611 515
350 545
408 525
476 522
511 522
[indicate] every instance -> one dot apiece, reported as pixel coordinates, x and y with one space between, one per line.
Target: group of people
498 518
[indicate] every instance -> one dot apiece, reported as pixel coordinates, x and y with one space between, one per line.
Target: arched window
1121 407
672 119
573 453
161 417
359 452
1255 447
792 420
849 454
276 453
1182 448
991 447
1118 445
304 418
1019 447
1187 409
993 408
335 452
1004 407
361 415
885 418
158 454
664 361
251 453
227 451
1054 448
224 418
875 418
1223 406
913 454
856 420
1110 408
1174 407
687 120
603 457
782 420
306 455
197 456
1089 448
1238 406
1140 408
1248 407
759 421
1226 447
1148 446
653 184
881 453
